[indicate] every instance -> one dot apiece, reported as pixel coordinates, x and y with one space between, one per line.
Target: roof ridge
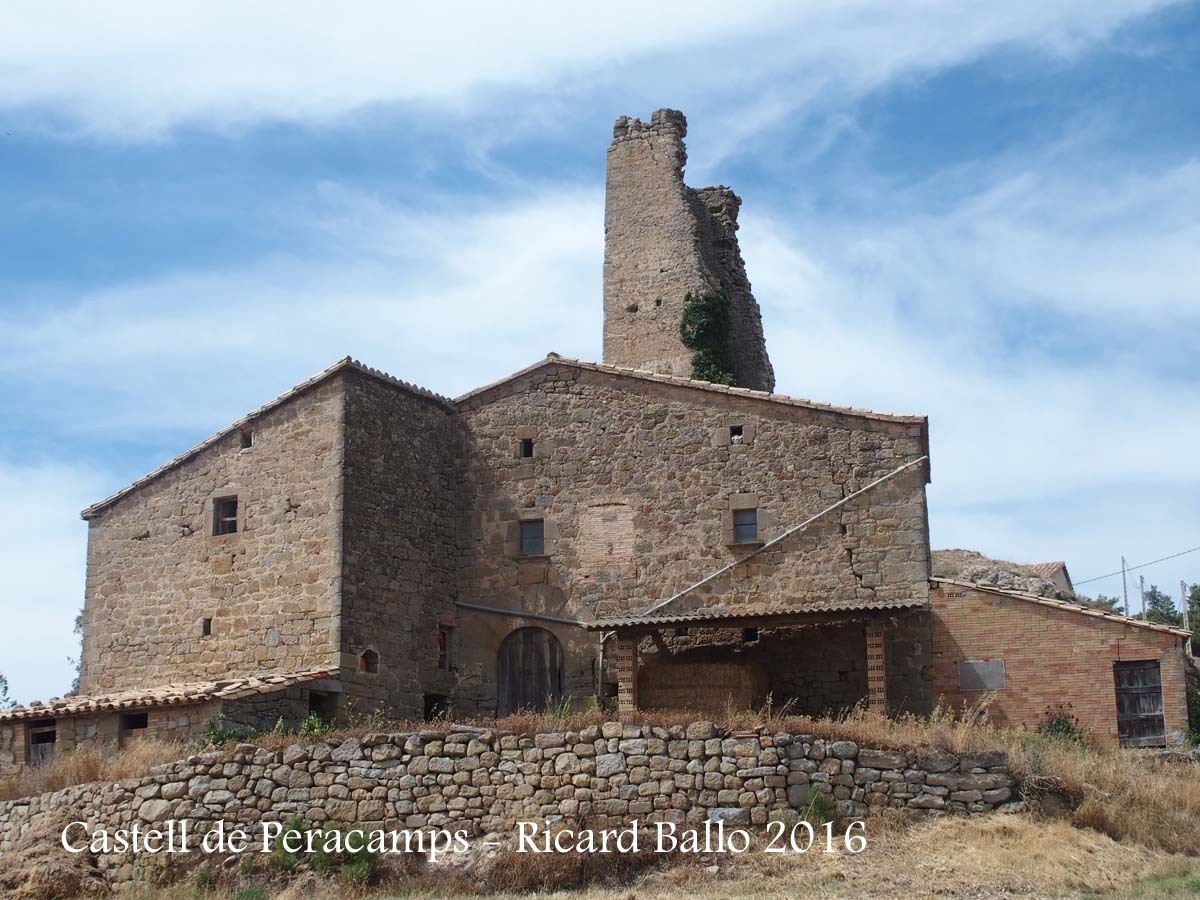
346 362
1062 604
683 381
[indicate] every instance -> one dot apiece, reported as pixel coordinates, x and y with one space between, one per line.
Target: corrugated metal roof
1116 618
712 614
167 695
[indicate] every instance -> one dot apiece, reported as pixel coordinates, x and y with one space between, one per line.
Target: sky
985 213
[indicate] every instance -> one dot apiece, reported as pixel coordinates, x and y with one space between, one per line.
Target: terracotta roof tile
685 617
181 694
1065 605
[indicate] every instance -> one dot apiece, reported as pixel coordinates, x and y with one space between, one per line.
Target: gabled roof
553 359
1079 608
302 387
183 694
1048 570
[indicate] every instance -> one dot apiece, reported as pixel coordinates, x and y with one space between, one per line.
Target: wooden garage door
529 671
1139 704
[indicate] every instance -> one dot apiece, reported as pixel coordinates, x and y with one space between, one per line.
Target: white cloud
42 548
137 69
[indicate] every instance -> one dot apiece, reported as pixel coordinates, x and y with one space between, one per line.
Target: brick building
1124 680
576 531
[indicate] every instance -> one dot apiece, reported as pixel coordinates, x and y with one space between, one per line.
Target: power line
1132 568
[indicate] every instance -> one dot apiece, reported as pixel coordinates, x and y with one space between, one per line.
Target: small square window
134 721
247 438
749 635
735 434
533 538
745 526
526 448
205 627
681 632
225 515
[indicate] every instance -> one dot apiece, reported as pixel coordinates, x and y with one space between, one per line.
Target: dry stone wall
486 782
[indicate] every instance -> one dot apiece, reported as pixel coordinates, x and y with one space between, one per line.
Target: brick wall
155 570
1051 656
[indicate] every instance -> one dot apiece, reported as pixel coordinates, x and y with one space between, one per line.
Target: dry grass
981 858
84 766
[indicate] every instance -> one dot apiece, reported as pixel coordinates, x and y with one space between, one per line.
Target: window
735 434
533 538
745 526
526 448
437 706
749 635
443 648
681 632
43 733
368 662
134 721
205 627
225 515
247 438
981 675
323 705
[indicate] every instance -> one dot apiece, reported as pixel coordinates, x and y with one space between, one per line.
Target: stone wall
156 571
1051 656
485 782
405 511
650 465
662 240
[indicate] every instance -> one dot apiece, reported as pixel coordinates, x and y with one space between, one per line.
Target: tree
77 661
5 701
1108 604
1160 608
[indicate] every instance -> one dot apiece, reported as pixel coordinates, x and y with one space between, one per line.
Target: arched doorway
529 671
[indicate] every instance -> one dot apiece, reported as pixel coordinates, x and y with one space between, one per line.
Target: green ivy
704 329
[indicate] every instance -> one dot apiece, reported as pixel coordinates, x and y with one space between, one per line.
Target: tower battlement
663 240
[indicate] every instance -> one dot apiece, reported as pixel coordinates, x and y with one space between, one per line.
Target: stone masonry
481 782
663 239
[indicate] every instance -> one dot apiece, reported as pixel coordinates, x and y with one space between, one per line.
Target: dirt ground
979 858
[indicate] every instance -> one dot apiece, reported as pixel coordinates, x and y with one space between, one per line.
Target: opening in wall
745 526
736 435
225 515
43 736
527 448
368 662
533 537
749 635
246 437
205 627
323 705
443 648
436 706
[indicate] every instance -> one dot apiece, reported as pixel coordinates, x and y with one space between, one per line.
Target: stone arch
530 673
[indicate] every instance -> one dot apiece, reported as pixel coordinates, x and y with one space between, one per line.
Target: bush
704 329
1062 724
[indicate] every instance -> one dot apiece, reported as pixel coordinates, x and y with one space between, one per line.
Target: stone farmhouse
616 532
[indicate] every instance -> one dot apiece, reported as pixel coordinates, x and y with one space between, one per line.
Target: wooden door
1139 704
529 671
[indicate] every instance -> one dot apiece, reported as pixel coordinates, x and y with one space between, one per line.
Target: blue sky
991 216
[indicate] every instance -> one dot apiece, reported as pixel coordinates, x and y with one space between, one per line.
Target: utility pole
1183 604
1124 585
1142 588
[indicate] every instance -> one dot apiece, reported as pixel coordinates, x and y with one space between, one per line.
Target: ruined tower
662 240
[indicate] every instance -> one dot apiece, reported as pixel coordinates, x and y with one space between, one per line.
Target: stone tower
663 239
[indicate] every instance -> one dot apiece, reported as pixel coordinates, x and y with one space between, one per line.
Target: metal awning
723 616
